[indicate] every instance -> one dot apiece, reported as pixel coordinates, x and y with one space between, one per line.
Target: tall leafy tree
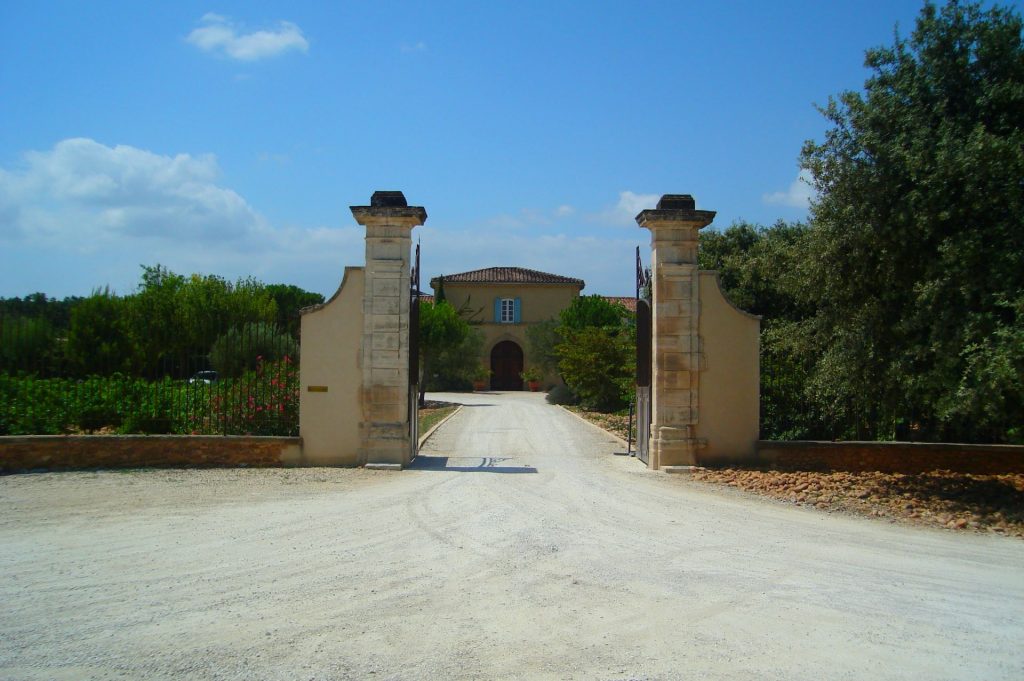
760 271
151 320
441 329
96 342
596 352
759 267
27 344
592 310
243 347
542 340
916 261
290 300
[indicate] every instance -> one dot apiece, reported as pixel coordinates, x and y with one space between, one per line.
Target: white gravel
531 552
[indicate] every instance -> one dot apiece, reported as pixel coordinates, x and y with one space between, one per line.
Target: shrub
242 349
27 343
561 394
96 417
532 375
152 408
262 402
597 363
147 424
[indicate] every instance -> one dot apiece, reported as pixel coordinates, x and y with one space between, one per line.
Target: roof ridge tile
508 275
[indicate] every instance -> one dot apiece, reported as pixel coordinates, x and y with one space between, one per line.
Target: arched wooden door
506 365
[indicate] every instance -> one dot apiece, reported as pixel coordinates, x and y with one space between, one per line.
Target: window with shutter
508 311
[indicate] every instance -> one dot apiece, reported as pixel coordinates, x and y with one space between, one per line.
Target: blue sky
231 137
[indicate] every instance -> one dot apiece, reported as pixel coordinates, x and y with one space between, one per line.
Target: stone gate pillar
676 350
384 429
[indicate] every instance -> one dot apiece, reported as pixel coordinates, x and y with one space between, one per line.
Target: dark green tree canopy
592 311
443 334
916 258
168 326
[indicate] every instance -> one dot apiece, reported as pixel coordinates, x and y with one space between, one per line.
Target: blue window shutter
497 309
518 312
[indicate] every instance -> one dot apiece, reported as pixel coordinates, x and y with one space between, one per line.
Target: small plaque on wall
317 388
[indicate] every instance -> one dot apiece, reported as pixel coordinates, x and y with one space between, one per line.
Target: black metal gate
414 354
644 337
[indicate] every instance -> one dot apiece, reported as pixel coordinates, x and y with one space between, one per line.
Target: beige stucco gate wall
706 377
354 364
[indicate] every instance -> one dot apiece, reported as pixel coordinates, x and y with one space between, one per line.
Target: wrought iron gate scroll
644 331
414 354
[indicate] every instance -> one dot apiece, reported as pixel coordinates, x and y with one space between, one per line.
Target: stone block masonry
71 452
890 457
384 431
674 227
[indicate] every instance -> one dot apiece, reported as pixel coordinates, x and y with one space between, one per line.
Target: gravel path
518 547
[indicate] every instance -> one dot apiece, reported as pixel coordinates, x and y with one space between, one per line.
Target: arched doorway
506 365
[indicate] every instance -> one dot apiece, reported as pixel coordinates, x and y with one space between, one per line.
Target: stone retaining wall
68 452
890 457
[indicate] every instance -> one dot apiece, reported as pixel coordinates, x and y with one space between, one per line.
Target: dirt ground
518 546
953 501
946 499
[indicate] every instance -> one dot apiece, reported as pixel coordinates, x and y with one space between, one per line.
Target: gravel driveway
517 547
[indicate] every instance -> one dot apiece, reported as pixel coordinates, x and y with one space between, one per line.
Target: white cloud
623 213
418 46
219 35
799 194
83 214
97 212
630 203
83 195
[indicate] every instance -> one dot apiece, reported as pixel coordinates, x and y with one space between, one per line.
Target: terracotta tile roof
628 302
507 275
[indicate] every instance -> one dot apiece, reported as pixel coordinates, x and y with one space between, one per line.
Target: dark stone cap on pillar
390 204
676 202
384 199
675 209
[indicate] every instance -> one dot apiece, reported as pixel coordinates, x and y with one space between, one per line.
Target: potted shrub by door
480 376
533 377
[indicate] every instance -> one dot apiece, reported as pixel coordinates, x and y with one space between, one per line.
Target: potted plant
479 376
533 377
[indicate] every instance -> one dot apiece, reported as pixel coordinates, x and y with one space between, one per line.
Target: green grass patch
430 416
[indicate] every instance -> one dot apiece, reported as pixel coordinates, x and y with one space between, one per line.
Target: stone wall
69 452
890 457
